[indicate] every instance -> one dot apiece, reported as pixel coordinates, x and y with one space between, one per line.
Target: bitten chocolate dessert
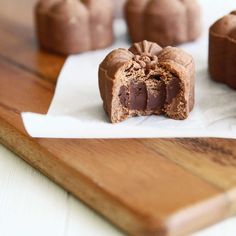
74 26
166 22
222 50
146 80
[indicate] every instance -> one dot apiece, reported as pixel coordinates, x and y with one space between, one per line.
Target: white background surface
32 205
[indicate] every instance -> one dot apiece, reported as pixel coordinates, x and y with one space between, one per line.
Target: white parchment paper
76 110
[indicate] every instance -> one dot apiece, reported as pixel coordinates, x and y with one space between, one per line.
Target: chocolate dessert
222 50
166 22
146 80
74 26
118 7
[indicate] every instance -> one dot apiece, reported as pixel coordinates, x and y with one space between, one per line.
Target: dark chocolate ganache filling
151 94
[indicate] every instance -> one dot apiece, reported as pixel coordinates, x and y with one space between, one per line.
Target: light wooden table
31 204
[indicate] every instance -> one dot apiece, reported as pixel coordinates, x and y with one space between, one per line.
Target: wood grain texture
213 159
145 186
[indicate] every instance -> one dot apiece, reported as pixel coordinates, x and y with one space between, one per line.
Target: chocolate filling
151 94
156 96
138 96
124 96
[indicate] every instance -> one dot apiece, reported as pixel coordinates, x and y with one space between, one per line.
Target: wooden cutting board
144 186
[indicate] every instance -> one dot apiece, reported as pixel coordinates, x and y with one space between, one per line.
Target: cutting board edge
135 223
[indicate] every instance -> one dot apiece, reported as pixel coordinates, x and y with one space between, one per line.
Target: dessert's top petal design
225 25
145 47
122 59
115 60
175 54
